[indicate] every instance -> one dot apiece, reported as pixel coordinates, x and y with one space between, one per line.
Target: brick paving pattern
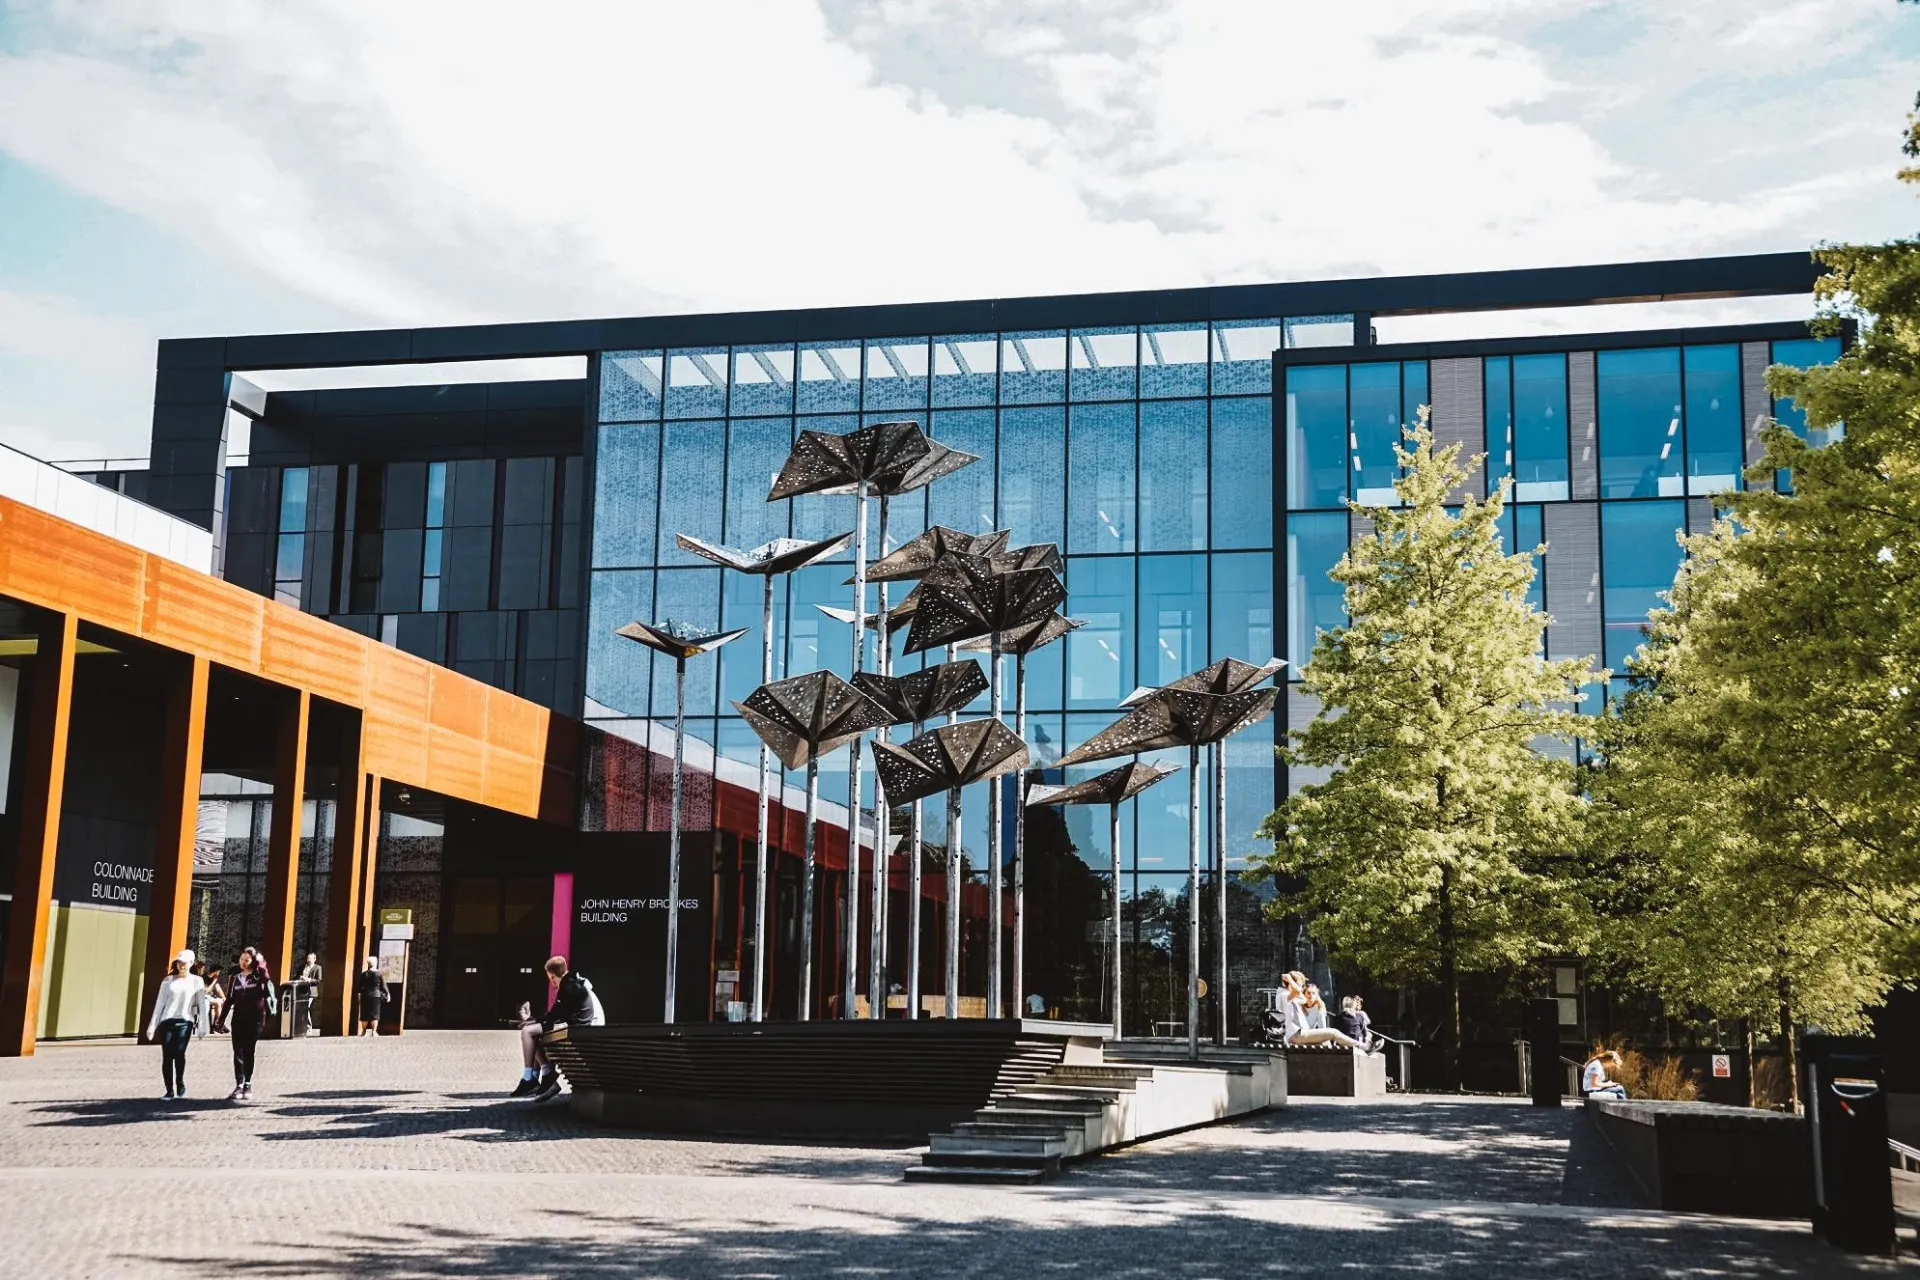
402 1157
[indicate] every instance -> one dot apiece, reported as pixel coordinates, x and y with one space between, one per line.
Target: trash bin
1844 1087
1543 1044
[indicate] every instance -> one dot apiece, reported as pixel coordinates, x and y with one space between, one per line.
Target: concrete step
1096 1092
1054 1100
978 1174
1089 1073
994 1148
1016 1128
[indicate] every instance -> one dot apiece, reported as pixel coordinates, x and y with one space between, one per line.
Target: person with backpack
574 1005
179 1014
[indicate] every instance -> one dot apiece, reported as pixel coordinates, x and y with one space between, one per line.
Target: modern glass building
1190 452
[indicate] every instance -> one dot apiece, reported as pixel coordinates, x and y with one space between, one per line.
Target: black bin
1844 1086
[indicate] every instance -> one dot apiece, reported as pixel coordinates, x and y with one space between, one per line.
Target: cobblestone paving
401 1157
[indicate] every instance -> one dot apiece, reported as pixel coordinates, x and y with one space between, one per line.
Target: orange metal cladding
425 726
179 821
49 713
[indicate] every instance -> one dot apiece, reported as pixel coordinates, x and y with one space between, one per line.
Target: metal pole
994 869
852 962
673 836
882 821
806 892
760 855
1220 883
1193 902
1020 840
914 913
1113 817
953 903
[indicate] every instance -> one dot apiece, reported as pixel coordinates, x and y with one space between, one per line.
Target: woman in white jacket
179 1014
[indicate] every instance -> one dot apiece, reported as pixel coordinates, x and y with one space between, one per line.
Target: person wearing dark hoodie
574 1004
250 1000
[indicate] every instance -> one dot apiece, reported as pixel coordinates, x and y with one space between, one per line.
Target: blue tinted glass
1100 654
1530 534
1373 409
1640 454
1172 637
818 515
691 596
1033 367
1639 555
631 386
1540 428
1715 435
1100 478
964 500
1250 770
762 380
293 500
619 671
430 553
626 495
1801 353
1316 435
1315 602
1103 363
966 368
1032 474
1243 356
906 512
1413 385
1045 669
288 557
1243 607
829 378
1173 475
755 449
896 374
436 494
697 382
1498 398
816 642
1173 360
1242 448
693 459
741 605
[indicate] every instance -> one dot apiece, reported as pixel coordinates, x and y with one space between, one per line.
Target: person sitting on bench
1300 1030
1594 1081
574 1004
1353 1020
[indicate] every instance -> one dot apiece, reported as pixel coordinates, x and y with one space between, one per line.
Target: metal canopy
1024 639
915 556
961 597
921 695
946 759
1111 787
679 640
879 453
1175 718
782 555
809 716
1229 675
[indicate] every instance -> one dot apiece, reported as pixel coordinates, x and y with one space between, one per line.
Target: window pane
1714 435
1100 477
697 382
529 492
293 500
468 577
964 500
1315 602
965 369
1250 770
1242 601
1319 331
1033 367
1521 529
1801 353
431 558
436 494
1640 423
755 449
1032 474
829 378
291 551
1540 428
1173 475
619 671
816 642
1242 449
819 515
1099 655
524 567
1316 436
1373 408
693 464
691 596
1639 555
631 386
1105 363
1498 381
1243 356
472 484
626 489
1413 390
1173 617
1173 361
896 374
762 380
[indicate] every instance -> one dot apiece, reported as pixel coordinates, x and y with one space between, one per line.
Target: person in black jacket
370 993
572 1005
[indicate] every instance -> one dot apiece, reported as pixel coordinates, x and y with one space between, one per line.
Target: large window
1173 476
1172 638
1641 450
1315 602
290 550
1639 554
1242 452
1316 436
1100 478
1373 409
1714 431
1539 428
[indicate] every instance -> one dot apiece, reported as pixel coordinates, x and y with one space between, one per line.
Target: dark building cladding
1190 451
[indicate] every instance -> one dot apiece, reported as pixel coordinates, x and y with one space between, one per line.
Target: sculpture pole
760 851
853 757
1193 902
882 818
953 903
673 837
1113 820
1019 838
914 889
994 869
806 896
1220 876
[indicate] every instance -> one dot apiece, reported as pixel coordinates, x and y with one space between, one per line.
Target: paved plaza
402 1157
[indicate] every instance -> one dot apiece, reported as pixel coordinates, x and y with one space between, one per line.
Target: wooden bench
1335 1071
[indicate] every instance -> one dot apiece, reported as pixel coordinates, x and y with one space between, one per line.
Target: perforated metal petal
880 452
1030 636
808 716
923 695
953 755
1110 787
913 558
782 555
1229 675
1175 718
677 639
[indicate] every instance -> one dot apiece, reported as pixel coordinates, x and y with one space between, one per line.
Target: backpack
596 1015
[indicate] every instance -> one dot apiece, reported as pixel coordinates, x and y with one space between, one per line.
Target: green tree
1436 845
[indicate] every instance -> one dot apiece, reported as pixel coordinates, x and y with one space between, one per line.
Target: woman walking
179 1014
249 1000
370 990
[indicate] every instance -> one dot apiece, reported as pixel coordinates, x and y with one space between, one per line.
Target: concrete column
283 839
345 947
185 739
49 713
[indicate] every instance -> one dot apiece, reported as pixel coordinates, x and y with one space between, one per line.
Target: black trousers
246 1034
175 1033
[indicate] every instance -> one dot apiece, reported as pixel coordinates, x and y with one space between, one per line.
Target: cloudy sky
180 167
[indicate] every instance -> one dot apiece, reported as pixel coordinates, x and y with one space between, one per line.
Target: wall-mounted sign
623 910
1722 1066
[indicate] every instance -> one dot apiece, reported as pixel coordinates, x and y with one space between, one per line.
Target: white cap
185 957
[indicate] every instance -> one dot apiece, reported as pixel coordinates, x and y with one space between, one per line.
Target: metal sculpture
1191 719
679 641
915 556
782 555
1111 789
914 699
802 719
946 759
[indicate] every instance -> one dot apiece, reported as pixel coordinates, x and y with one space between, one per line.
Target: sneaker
167 1096
526 1087
549 1091
238 1093
246 1091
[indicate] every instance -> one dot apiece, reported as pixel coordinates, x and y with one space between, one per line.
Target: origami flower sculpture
880 454
1111 787
678 640
922 695
1175 718
806 717
782 555
946 759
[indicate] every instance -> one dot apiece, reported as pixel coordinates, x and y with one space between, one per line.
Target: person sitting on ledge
574 1004
1594 1081
1300 1030
1353 1020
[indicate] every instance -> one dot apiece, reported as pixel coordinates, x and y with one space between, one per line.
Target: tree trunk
1450 980
1746 1047
1789 1052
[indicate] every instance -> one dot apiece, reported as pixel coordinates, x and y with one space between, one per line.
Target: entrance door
496 944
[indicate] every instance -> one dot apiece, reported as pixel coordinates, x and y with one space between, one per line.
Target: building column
44 773
171 903
370 866
344 947
283 838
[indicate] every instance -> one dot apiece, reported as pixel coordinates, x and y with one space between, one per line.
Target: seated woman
1300 1030
1594 1081
1353 1019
